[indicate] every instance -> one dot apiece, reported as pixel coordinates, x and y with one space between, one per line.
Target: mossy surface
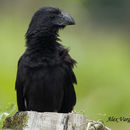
16 122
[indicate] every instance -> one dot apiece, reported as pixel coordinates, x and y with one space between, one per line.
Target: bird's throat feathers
42 38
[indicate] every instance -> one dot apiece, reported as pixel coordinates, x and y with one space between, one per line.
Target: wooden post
30 120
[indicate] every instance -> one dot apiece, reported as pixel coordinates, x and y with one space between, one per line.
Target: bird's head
49 19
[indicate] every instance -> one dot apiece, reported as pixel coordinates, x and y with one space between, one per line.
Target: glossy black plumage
45 77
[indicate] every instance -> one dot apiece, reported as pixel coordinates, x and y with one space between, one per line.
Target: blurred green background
99 42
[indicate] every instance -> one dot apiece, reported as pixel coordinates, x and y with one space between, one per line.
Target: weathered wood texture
50 121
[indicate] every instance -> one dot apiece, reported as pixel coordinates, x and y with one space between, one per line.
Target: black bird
45 77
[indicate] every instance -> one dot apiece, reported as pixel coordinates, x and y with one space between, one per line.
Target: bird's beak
65 19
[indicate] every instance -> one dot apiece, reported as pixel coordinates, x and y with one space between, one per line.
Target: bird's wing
19 88
69 62
70 78
69 93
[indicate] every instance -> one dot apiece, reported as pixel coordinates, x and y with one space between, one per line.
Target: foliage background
99 42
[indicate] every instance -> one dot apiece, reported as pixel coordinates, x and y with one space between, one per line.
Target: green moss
74 127
18 121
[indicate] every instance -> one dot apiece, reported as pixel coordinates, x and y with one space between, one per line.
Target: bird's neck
42 40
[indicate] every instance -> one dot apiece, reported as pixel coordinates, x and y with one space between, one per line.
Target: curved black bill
68 19
65 19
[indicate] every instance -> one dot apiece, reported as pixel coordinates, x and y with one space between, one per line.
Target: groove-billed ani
45 77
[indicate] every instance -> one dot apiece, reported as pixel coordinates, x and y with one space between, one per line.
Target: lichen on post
17 121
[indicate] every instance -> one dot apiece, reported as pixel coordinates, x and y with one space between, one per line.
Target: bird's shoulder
68 63
58 58
63 53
